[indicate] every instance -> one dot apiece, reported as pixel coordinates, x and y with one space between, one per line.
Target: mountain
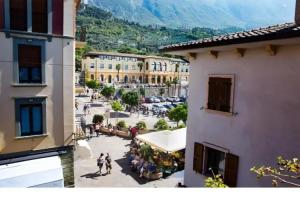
102 31
201 13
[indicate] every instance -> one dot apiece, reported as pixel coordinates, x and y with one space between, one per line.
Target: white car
160 108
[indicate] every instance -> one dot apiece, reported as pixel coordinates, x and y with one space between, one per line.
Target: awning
43 172
166 141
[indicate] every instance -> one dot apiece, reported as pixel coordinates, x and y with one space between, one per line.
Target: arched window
164 79
102 77
153 80
141 79
154 66
160 67
146 79
109 79
92 76
166 67
158 79
126 79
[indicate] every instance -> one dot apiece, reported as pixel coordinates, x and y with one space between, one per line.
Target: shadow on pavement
92 175
118 115
96 105
123 163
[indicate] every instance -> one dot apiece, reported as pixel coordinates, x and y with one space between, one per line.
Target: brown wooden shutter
29 56
18 15
231 170
58 16
1 14
225 94
198 157
39 16
212 93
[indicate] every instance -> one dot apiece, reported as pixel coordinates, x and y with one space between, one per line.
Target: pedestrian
91 130
76 105
133 131
84 109
108 163
97 129
100 162
89 109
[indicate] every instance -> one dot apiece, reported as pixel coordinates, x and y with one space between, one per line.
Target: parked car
148 100
168 106
155 100
173 99
159 108
182 99
162 99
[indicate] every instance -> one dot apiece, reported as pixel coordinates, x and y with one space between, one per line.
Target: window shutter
29 56
225 94
1 14
18 15
212 94
231 170
58 16
198 157
39 16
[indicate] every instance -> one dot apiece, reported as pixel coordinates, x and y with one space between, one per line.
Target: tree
142 91
141 125
117 107
92 84
168 84
98 119
175 82
131 99
108 92
161 125
178 114
79 53
118 68
161 91
287 172
215 182
122 124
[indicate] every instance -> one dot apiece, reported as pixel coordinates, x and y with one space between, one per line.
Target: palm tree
118 68
141 65
168 84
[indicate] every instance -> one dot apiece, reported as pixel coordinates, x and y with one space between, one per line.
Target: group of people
101 161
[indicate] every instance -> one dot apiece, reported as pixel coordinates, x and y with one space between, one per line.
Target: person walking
76 105
100 162
108 163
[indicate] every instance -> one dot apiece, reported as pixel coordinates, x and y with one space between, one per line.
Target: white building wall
266 99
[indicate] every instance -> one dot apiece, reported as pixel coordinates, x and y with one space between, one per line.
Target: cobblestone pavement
86 169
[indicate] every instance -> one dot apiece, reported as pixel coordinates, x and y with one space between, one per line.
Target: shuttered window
231 170
39 16
198 158
30 62
18 15
219 94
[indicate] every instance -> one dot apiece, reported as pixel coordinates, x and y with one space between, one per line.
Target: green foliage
79 52
215 182
142 91
161 125
121 91
92 84
287 172
122 124
105 32
179 114
146 151
117 106
141 125
108 92
182 126
161 91
131 98
98 119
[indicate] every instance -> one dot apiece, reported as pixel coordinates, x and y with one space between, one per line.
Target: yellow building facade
102 67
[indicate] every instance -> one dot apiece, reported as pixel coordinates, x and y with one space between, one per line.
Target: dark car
148 100
182 99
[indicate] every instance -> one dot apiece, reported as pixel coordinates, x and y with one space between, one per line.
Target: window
220 93
147 66
101 57
133 67
92 65
208 160
29 58
39 16
186 70
126 67
30 116
101 66
92 76
110 66
18 15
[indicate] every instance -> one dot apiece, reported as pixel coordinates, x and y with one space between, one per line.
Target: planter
123 134
141 132
104 130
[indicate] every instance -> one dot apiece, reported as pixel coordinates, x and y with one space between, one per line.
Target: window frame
19 102
232 92
33 42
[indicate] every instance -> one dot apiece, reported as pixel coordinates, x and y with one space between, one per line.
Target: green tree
98 119
131 99
92 84
178 114
161 91
286 172
175 82
141 125
142 91
121 91
79 53
122 124
118 68
168 84
146 151
108 92
117 107
161 125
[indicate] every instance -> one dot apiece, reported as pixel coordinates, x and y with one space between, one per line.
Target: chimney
297 12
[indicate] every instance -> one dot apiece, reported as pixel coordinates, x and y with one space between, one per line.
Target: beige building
37 92
101 66
243 103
